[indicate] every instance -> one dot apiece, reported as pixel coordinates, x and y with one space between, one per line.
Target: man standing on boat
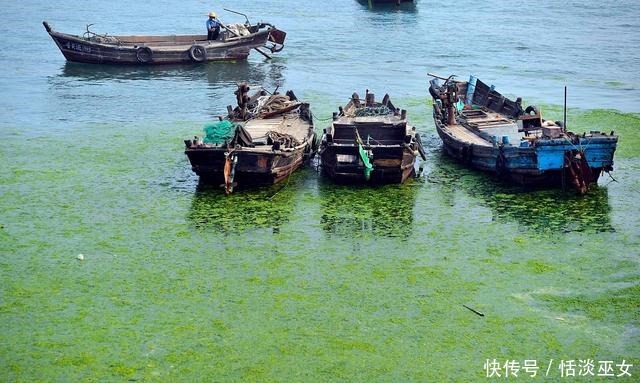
213 26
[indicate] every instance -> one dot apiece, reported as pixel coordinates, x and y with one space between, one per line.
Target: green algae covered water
115 265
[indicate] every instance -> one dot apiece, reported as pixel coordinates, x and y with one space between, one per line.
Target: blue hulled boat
489 132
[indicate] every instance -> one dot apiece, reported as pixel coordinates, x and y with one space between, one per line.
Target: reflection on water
550 210
89 93
244 211
213 72
354 211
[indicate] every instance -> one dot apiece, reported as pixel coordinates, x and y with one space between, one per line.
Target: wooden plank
295 126
462 133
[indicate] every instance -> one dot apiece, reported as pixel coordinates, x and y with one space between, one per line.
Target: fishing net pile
260 104
369 111
238 29
270 104
218 132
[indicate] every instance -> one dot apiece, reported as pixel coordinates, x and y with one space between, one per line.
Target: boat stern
596 148
385 164
276 39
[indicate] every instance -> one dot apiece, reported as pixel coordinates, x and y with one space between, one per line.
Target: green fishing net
218 132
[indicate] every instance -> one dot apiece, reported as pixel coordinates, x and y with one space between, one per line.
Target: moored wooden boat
370 141
487 131
260 142
396 2
234 43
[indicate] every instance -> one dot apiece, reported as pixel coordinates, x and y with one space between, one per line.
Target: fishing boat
260 142
233 43
489 132
396 2
370 142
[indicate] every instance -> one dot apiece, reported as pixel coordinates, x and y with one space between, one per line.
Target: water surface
307 281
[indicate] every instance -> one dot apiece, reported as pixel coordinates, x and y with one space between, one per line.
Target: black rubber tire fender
198 53
531 108
144 55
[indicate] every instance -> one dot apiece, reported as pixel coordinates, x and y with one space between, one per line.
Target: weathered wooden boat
233 43
260 142
396 2
489 132
370 141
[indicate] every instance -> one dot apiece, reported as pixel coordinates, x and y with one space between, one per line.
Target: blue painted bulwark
494 134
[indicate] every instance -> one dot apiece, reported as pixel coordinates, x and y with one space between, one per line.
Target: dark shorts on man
213 35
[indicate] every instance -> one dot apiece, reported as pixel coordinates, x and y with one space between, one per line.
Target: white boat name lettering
77 47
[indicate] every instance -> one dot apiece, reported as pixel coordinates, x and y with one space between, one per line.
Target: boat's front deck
462 133
291 124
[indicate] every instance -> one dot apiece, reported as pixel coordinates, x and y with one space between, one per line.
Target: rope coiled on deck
268 104
285 140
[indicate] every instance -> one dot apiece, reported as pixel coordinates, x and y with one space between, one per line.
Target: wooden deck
290 124
464 134
483 123
293 125
484 118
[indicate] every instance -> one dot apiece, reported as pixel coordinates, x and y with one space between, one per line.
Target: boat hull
391 164
253 168
542 165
